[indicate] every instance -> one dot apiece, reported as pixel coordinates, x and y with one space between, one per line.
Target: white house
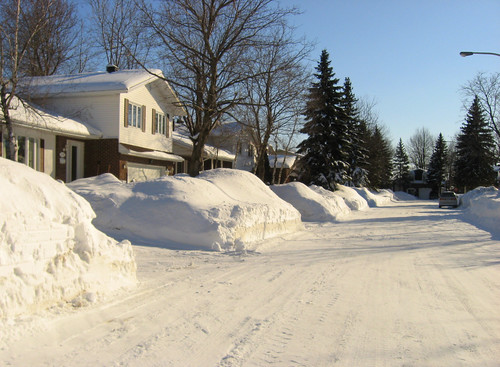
128 115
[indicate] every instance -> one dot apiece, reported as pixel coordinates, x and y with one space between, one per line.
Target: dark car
448 198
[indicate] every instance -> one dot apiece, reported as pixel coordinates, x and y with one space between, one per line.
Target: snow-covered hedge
49 250
220 209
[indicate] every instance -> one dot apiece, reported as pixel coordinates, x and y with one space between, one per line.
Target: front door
74 160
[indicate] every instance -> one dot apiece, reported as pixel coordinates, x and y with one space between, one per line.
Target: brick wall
102 156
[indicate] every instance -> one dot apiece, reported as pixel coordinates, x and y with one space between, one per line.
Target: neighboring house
214 156
418 184
283 166
37 133
130 112
234 138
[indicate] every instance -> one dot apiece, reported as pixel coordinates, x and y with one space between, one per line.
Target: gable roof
32 116
95 82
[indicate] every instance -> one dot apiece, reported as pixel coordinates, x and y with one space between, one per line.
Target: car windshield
447 195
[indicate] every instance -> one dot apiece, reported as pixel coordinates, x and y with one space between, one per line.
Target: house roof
98 83
282 161
95 82
32 116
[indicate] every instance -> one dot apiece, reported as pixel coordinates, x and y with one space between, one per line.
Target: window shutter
153 122
125 112
167 126
42 155
144 118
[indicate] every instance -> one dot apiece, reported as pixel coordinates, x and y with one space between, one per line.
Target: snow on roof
282 161
101 81
32 116
154 154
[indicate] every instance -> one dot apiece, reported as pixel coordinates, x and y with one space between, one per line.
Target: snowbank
49 250
373 198
482 207
351 197
220 209
314 204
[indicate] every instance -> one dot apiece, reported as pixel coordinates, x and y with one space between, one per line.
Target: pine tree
437 172
357 154
379 160
401 166
475 151
325 149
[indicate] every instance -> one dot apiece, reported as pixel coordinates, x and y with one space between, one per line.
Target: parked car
448 198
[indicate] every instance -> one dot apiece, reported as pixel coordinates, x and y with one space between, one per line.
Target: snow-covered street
406 284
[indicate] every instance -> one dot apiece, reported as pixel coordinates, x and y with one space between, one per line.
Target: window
161 123
135 118
27 151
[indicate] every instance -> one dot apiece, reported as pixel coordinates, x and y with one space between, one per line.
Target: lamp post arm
469 53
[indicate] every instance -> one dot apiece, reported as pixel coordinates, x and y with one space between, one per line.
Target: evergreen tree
437 171
325 149
475 151
357 154
379 160
401 165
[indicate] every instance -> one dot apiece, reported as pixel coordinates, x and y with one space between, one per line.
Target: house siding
144 137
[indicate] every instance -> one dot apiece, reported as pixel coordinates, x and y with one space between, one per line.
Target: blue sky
404 54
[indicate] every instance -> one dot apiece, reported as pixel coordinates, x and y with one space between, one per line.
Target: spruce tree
401 166
379 160
357 153
437 172
475 151
325 149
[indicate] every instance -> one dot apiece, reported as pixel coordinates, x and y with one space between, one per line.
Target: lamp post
469 53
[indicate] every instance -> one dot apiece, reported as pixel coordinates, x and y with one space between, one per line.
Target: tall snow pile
482 207
219 210
314 204
49 250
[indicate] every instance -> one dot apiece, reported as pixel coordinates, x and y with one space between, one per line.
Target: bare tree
48 28
420 147
275 93
207 46
487 89
14 46
118 32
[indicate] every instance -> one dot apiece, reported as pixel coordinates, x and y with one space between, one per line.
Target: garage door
143 172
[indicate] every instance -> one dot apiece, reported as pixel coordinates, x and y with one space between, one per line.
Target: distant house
214 156
284 166
233 137
125 126
418 185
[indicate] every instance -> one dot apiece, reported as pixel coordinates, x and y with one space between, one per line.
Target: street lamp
469 53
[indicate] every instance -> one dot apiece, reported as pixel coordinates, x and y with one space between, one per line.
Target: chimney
111 68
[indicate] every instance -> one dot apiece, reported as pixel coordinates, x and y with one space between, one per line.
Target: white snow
398 283
314 204
220 209
482 207
49 250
